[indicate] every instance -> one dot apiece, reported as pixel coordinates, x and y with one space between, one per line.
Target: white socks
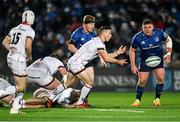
84 93
54 93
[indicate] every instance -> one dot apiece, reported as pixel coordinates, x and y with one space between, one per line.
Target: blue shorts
144 68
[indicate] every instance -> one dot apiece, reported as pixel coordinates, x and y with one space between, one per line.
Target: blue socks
139 92
159 89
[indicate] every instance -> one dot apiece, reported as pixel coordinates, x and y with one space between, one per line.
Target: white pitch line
118 110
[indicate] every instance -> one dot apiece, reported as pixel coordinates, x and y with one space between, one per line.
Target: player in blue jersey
150 42
78 38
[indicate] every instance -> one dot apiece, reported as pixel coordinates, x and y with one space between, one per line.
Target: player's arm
168 44
71 47
6 42
103 63
63 72
121 50
109 59
132 55
28 48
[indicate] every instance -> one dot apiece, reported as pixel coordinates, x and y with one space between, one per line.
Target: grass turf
106 106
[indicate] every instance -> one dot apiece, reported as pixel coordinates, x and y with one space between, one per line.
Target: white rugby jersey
48 64
87 52
18 36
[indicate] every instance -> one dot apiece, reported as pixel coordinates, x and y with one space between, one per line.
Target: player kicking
19 44
90 50
150 42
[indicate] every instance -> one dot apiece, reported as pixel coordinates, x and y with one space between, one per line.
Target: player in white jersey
19 44
89 51
40 97
3 85
42 70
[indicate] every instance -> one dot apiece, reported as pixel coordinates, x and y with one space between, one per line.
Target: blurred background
57 19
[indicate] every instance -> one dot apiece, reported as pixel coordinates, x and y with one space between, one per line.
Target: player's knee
160 80
142 82
20 88
90 83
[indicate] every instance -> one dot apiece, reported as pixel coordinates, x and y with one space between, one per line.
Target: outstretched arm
121 50
106 57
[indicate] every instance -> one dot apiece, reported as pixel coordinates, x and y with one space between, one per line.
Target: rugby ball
153 61
40 93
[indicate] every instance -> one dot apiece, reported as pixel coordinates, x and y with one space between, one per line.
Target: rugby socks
84 93
159 89
139 92
19 95
54 93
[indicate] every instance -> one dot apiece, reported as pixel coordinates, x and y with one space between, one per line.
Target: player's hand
122 62
167 58
29 60
121 50
134 69
103 63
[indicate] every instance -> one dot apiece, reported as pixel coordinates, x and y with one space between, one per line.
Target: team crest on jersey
143 42
156 39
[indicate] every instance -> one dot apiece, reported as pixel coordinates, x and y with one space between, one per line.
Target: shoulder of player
157 30
78 30
138 35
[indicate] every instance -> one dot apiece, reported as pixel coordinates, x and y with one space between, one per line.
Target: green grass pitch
106 106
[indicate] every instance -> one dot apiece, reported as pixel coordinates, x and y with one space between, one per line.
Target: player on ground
150 42
42 70
89 51
40 97
19 44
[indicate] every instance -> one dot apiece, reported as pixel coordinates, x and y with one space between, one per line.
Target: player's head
147 27
105 33
89 23
28 17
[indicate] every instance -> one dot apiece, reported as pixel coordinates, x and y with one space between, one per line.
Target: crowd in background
57 19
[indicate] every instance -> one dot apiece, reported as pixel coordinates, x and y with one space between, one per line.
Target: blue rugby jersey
79 37
149 45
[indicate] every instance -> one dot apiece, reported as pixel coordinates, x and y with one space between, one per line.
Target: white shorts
4 84
18 68
75 68
36 75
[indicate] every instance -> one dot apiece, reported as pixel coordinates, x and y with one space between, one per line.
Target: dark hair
147 21
88 19
102 28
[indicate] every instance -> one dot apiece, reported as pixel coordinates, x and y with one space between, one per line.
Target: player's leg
8 99
159 74
57 88
71 82
19 75
86 78
90 71
142 79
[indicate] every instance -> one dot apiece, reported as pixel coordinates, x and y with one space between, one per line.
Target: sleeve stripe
100 49
29 37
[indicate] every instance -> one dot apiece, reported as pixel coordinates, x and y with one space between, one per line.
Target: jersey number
16 38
